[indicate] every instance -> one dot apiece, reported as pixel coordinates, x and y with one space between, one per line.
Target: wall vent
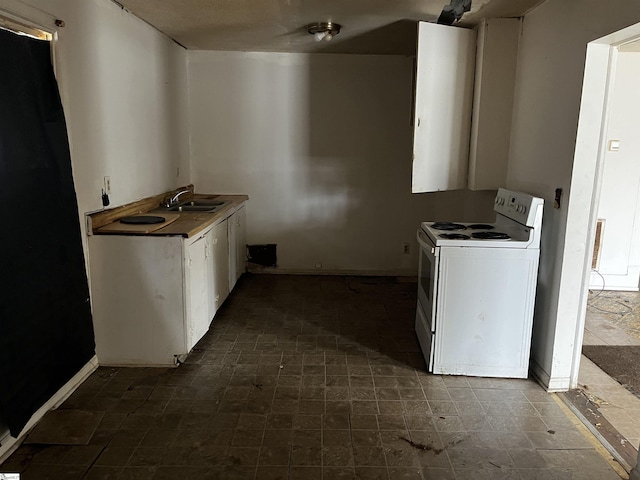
265 255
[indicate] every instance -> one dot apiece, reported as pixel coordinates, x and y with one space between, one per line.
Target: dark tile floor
305 377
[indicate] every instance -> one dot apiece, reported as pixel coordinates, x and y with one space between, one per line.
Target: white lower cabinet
237 245
154 297
220 264
198 286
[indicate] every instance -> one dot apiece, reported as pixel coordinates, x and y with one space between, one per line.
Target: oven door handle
425 243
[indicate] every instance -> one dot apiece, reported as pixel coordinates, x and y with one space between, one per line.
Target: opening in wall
21 28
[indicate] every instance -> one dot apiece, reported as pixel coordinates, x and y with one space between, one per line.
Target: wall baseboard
311 271
9 444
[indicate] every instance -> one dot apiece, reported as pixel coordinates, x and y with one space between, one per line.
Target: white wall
548 87
619 207
123 87
322 145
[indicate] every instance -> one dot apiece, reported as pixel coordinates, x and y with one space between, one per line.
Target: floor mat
65 427
621 362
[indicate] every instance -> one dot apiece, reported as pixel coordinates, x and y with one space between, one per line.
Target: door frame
586 178
39 20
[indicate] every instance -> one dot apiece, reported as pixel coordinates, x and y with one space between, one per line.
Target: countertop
190 224
187 225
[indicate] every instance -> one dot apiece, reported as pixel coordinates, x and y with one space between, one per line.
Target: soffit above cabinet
369 26
495 81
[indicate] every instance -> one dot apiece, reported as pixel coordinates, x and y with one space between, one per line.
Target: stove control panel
517 206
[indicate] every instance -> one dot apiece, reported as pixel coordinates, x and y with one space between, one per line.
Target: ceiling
368 26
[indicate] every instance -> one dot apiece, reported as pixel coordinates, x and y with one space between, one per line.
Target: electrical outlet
107 185
406 248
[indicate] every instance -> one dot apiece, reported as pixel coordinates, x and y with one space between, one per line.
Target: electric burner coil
490 236
480 226
454 236
447 226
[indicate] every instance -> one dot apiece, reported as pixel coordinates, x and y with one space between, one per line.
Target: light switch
614 145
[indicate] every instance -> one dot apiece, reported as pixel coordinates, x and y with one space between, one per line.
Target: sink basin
202 203
197 206
191 208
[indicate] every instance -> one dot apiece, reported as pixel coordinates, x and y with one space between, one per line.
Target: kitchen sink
191 208
202 203
197 206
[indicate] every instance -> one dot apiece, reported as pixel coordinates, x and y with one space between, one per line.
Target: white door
211 300
427 288
428 278
237 248
220 263
233 257
444 93
197 289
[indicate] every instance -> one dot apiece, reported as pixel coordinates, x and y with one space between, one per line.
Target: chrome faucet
174 200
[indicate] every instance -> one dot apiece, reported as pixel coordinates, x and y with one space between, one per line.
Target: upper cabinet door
444 95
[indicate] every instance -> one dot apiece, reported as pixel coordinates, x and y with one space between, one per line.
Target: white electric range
476 290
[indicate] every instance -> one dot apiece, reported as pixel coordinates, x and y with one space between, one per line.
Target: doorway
46 333
609 185
616 256
608 375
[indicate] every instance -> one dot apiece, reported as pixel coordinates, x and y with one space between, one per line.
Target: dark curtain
46 331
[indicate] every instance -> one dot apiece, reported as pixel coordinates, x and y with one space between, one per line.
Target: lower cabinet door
241 242
197 291
237 246
220 263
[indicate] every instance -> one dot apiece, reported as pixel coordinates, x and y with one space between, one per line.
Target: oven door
428 278
425 337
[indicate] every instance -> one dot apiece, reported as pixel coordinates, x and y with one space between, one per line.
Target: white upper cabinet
444 95
493 102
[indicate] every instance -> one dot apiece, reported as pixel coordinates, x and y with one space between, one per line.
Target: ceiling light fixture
323 30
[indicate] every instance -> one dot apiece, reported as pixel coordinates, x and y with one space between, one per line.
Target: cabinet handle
215 241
